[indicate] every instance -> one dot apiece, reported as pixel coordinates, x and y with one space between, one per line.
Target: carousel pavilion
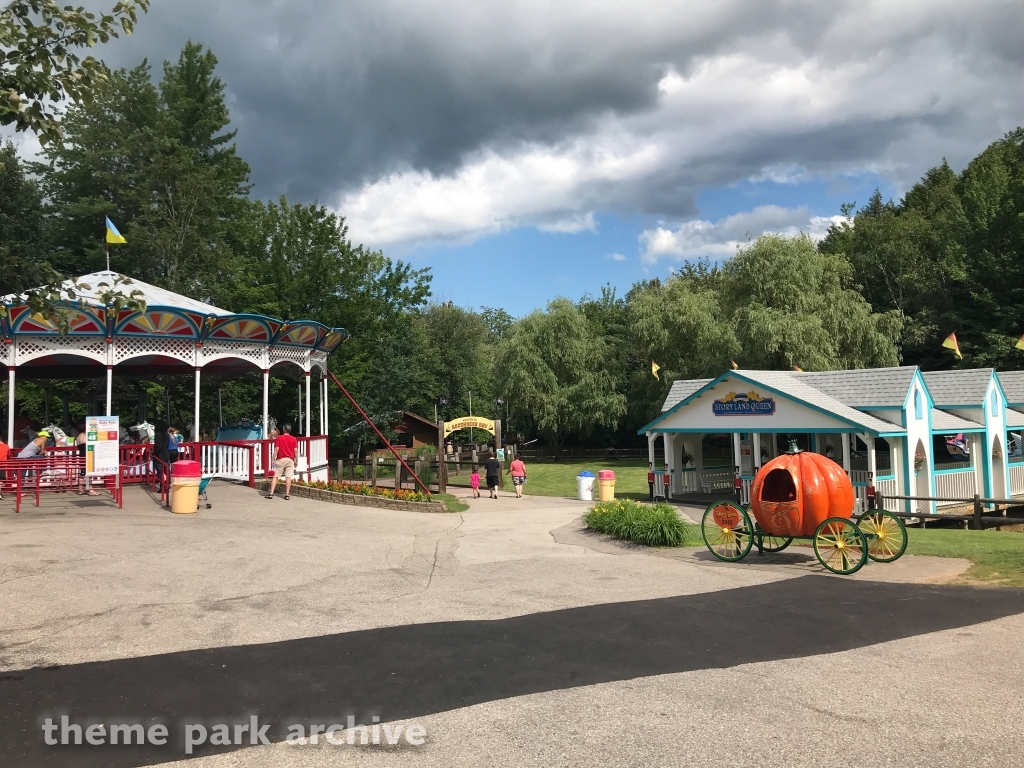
176 335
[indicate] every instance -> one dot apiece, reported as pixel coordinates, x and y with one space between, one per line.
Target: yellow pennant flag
113 236
798 369
654 370
734 366
1020 343
950 343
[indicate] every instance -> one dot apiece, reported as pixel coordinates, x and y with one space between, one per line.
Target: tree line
157 155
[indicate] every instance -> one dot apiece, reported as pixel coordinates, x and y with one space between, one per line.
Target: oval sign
726 516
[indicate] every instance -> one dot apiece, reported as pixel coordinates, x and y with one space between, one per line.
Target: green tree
551 369
40 64
792 305
458 355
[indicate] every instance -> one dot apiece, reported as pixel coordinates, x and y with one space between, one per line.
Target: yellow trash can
606 481
185 478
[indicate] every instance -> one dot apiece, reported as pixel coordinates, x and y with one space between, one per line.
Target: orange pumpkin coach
803 495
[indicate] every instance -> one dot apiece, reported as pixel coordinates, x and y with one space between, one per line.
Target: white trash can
585 486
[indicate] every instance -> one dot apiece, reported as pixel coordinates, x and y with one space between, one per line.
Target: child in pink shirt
474 482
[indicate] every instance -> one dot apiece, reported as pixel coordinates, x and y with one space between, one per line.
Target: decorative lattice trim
225 349
127 347
297 356
32 347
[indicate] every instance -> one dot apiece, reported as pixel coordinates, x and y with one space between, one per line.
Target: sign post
102 446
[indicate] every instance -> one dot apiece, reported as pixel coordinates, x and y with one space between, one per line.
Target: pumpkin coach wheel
840 546
727 531
769 542
886 535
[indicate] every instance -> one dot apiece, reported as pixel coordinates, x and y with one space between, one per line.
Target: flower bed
359 495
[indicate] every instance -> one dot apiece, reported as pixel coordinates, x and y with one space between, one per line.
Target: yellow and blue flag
113 236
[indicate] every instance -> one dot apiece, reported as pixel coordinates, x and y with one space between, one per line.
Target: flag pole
108 250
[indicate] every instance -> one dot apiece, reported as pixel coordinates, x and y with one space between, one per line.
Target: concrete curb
356 500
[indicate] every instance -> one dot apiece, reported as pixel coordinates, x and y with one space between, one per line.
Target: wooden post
341 470
373 472
977 512
442 463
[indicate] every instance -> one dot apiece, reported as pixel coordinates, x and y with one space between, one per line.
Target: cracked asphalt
511 636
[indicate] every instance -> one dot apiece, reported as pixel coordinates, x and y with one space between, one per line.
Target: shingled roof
943 421
681 390
1013 385
863 387
964 387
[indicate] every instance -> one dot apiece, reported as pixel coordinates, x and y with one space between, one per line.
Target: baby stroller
202 492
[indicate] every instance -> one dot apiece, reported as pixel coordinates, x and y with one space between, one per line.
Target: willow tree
551 369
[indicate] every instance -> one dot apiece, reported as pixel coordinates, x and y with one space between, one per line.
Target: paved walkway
510 635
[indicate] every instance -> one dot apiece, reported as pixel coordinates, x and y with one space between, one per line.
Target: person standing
285 449
493 471
474 482
35 448
172 445
518 471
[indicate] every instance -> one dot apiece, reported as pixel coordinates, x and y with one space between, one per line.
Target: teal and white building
941 434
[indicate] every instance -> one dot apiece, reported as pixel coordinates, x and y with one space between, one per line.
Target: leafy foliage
653 525
553 364
40 66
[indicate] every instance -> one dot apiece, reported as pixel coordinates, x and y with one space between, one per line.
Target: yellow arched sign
487 425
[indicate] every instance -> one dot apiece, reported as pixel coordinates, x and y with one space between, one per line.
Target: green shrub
654 525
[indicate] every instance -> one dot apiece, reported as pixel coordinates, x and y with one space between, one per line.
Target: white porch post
320 387
869 441
110 388
736 450
650 448
670 461
195 414
10 406
846 452
266 403
327 413
755 442
308 409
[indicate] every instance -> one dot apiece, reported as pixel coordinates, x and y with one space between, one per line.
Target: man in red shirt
285 448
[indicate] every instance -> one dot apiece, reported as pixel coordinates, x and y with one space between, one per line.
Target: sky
526 150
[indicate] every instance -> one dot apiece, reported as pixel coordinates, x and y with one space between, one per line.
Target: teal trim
958 431
964 471
772 431
715 382
886 477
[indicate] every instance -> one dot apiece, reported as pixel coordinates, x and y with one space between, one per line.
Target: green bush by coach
654 525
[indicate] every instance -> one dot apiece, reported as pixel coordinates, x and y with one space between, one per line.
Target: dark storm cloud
332 97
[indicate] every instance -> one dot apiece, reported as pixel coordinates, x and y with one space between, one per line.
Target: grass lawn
451 503
559 478
997 556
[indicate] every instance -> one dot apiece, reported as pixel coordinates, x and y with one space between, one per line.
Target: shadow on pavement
410 671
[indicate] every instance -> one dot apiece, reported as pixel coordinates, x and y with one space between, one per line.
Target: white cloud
615 257
719 239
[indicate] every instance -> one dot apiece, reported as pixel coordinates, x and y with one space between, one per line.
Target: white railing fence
956 485
887 488
714 479
226 461
1016 479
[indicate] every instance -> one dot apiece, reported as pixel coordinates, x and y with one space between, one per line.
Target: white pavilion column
755 447
266 403
698 460
327 413
846 452
736 450
195 416
110 388
650 448
10 406
308 408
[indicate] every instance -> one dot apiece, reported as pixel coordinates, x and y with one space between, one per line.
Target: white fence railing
715 479
226 461
956 485
1016 479
887 488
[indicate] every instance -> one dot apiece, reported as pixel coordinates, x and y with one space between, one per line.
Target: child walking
474 482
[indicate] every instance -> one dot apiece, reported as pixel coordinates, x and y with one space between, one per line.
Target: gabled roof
964 387
863 387
681 390
943 421
785 383
1014 418
1013 386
